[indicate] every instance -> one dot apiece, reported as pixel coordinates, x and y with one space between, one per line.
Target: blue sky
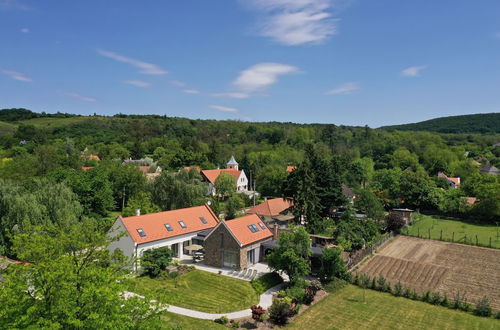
351 62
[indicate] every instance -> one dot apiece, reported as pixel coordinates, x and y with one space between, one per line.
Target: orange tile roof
239 228
153 224
212 175
456 181
271 207
290 168
86 168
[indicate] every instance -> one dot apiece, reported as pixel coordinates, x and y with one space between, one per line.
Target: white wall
125 243
242 182
166 242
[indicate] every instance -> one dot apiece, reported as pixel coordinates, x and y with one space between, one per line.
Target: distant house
488 169
276 213
87 168
90 157
407 214
347 192
236 243
147 166
240 177
453 182
291 168
176 229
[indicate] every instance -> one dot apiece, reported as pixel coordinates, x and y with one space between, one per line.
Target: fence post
418 232
441 236
453 237
465 239
429 233
490 241
476 240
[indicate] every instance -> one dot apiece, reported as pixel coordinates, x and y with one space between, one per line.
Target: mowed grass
346 309
176 321
461 229
198 290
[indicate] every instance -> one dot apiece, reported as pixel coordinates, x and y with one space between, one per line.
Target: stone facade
221 242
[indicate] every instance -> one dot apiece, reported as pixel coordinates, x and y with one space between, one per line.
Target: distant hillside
484 123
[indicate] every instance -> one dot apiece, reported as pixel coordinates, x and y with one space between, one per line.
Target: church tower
232 163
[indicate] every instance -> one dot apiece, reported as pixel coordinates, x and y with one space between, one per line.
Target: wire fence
357 256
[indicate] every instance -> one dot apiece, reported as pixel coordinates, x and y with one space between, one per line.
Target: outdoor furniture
243 272
249 274
254 274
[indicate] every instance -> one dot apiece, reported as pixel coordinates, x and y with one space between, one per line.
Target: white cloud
13 5
413 71
191 91
346 88
178 83
16 75
145 68
138 83
234 95
260 76
78 96
223 108
25 30
295 22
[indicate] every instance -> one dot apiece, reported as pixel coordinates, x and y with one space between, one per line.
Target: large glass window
230 259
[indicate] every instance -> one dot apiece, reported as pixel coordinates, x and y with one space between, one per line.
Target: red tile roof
271 207
212 175
290 168
86 168
239 228
153 224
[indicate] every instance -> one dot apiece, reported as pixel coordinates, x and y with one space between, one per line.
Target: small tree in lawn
395 222
154 261
292 255
483 307
332 265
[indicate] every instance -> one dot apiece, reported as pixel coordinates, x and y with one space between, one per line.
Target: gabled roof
271 207
240 230
489 169
212 175
455 181
153 224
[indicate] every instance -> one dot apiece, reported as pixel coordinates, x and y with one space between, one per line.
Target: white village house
175 229
231 169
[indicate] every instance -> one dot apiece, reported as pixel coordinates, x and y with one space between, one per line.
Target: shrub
458 300
309 295
407 293
414 295
154 261
332 265
281 294
435 298
427 296
445 302
398 289
382 284
257 312
297 293
483 307
394 222
497 315
316 285
222 320
373 284
235 324
265 282
335 285
281 310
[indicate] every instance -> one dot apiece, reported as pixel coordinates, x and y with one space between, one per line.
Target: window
253 228
183 225
203 220
141 232
169 227
262 226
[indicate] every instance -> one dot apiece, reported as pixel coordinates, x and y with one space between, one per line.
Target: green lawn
460 228
175 321
198 290
345 309
7 128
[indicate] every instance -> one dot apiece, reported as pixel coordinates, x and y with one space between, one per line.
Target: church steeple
232 163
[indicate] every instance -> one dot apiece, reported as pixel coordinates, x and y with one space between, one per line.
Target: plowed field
444 267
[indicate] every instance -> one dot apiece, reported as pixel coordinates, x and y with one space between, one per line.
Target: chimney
265 199
275 231
137 212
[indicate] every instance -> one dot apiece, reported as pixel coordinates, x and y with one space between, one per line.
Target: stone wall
219 241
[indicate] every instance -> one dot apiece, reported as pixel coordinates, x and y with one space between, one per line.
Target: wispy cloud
346 88
145 68
295 22
178 83
13 5
78 96
16 75
191 91
497 35
138 83
413 71
235 95
223 108
25 30
260 76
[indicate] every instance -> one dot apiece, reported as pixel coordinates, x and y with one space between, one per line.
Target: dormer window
262 226
141 232
203 220
253 228
169 227
182 224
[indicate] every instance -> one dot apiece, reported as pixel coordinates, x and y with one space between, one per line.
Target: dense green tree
225 185
332 265
154 261
140 201
367 202
233 205
71 282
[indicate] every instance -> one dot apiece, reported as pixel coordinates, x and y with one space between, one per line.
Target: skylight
141 232
169 227
203 220
262 226
183 225
253 228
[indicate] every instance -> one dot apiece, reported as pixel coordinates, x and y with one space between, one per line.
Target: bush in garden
458 300
497 315
373 284
316 285
366 281
435 298
355 279
407 293
427 296
297 293
222 320
394 222
398 289
235 324
483 307
281 310
445 302
154 261
414 295
308 295
382 284
257 312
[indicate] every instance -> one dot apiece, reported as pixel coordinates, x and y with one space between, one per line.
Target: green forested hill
484 123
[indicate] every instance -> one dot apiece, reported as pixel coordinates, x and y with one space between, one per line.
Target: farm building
236 243
406 213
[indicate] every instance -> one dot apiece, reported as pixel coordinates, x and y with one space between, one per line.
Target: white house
231 169
176 229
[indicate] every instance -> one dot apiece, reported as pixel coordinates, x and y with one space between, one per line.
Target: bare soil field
444 267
